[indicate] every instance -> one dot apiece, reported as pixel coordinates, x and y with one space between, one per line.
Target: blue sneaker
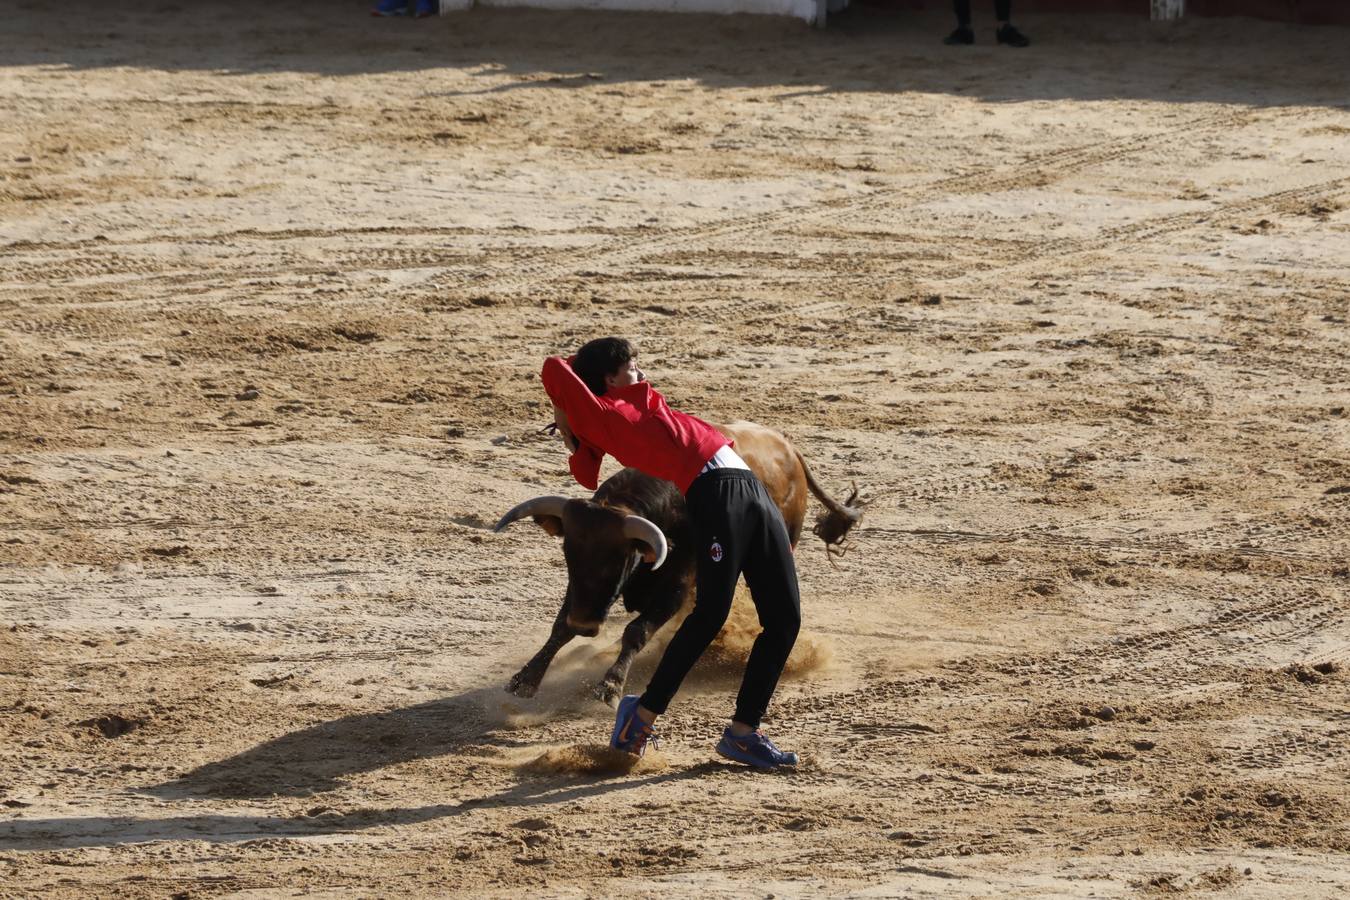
630 733
426 8
390 8
754 749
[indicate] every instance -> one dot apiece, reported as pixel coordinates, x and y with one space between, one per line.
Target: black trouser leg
1002 9
715 511
772 578
736 526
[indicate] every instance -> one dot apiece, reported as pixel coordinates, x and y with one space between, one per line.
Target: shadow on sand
106 831
1083 57
315 760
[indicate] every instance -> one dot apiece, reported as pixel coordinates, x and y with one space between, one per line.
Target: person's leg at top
1005 33
963 34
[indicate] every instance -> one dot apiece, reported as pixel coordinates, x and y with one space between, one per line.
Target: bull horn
640 529
539 506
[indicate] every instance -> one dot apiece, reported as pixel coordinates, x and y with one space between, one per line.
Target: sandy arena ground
275 284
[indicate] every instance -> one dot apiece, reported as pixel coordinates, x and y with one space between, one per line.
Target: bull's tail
832 525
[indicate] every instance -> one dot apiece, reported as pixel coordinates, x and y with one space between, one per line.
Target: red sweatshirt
634 425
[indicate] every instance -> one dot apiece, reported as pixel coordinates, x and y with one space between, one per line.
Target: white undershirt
726 458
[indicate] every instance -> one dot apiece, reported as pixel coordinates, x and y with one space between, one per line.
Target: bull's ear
552 524
648 552
647 538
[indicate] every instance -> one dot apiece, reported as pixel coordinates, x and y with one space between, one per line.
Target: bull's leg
635 637
525 682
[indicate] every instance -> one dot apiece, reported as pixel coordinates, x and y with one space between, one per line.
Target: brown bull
633 538
788 478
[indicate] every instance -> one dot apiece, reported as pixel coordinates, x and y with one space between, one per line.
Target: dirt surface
275 284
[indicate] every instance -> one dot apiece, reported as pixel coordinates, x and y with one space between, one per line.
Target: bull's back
772 458
648 496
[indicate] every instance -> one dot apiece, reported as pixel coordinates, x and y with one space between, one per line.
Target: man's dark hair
601 357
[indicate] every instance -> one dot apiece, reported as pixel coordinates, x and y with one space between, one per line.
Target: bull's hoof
521 686
608 692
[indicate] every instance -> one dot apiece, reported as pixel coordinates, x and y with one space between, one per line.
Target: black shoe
1008 34
962 35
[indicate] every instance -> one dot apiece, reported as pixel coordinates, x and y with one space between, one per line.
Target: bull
633 538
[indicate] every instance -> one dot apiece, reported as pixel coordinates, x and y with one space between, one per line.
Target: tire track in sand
1055 165
547 265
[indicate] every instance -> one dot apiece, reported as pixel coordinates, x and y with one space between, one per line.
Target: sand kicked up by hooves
594 759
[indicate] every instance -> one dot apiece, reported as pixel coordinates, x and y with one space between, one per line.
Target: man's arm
584 461
574 402
590 419
564 429
584 464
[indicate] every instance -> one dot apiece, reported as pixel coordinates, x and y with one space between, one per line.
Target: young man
1006 33
611 408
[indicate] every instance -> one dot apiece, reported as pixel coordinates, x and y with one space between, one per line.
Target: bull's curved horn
539 506
640 529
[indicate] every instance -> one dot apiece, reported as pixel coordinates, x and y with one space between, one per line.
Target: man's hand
560 420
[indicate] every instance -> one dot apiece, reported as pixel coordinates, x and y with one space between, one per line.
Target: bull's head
603 547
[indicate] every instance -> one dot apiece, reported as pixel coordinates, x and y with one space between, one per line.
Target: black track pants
737 528
1002 9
